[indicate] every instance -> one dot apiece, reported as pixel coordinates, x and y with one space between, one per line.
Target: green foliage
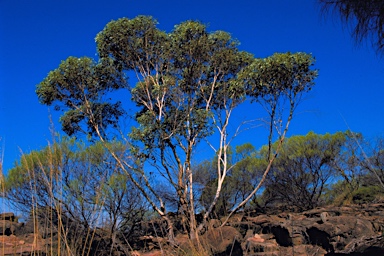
184 82
277 83
338 193
299 177
359 172
302 170
37 171
78 86
366 194
239 182
186 77
188 83
133 43
279 74
80 182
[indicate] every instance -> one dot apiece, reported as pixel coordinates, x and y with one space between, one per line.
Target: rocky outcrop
321 231
352 230
8 224
12 239
223 240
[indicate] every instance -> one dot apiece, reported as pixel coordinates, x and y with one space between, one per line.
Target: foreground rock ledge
352 230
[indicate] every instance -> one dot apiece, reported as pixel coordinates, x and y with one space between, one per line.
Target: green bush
366 194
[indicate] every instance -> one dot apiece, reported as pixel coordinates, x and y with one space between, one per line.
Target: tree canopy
188 83
79 85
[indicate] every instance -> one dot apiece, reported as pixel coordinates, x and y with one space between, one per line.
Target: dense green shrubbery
366 194
310 171
71 189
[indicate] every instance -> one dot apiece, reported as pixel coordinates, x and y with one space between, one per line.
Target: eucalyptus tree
188 82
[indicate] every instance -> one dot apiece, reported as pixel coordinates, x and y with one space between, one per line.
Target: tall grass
77 199
50 222
47 203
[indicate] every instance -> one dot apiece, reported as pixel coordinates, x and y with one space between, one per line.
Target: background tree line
311 170
85 185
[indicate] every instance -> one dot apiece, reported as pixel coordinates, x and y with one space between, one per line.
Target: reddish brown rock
349 230
223 240
8 216
260 245
13 245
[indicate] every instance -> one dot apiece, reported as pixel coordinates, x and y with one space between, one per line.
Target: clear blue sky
36 35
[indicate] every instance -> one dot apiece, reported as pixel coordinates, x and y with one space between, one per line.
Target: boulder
223 241
260 245
337 232
10 216
26 245
365 245
303 250
332 230
8 228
